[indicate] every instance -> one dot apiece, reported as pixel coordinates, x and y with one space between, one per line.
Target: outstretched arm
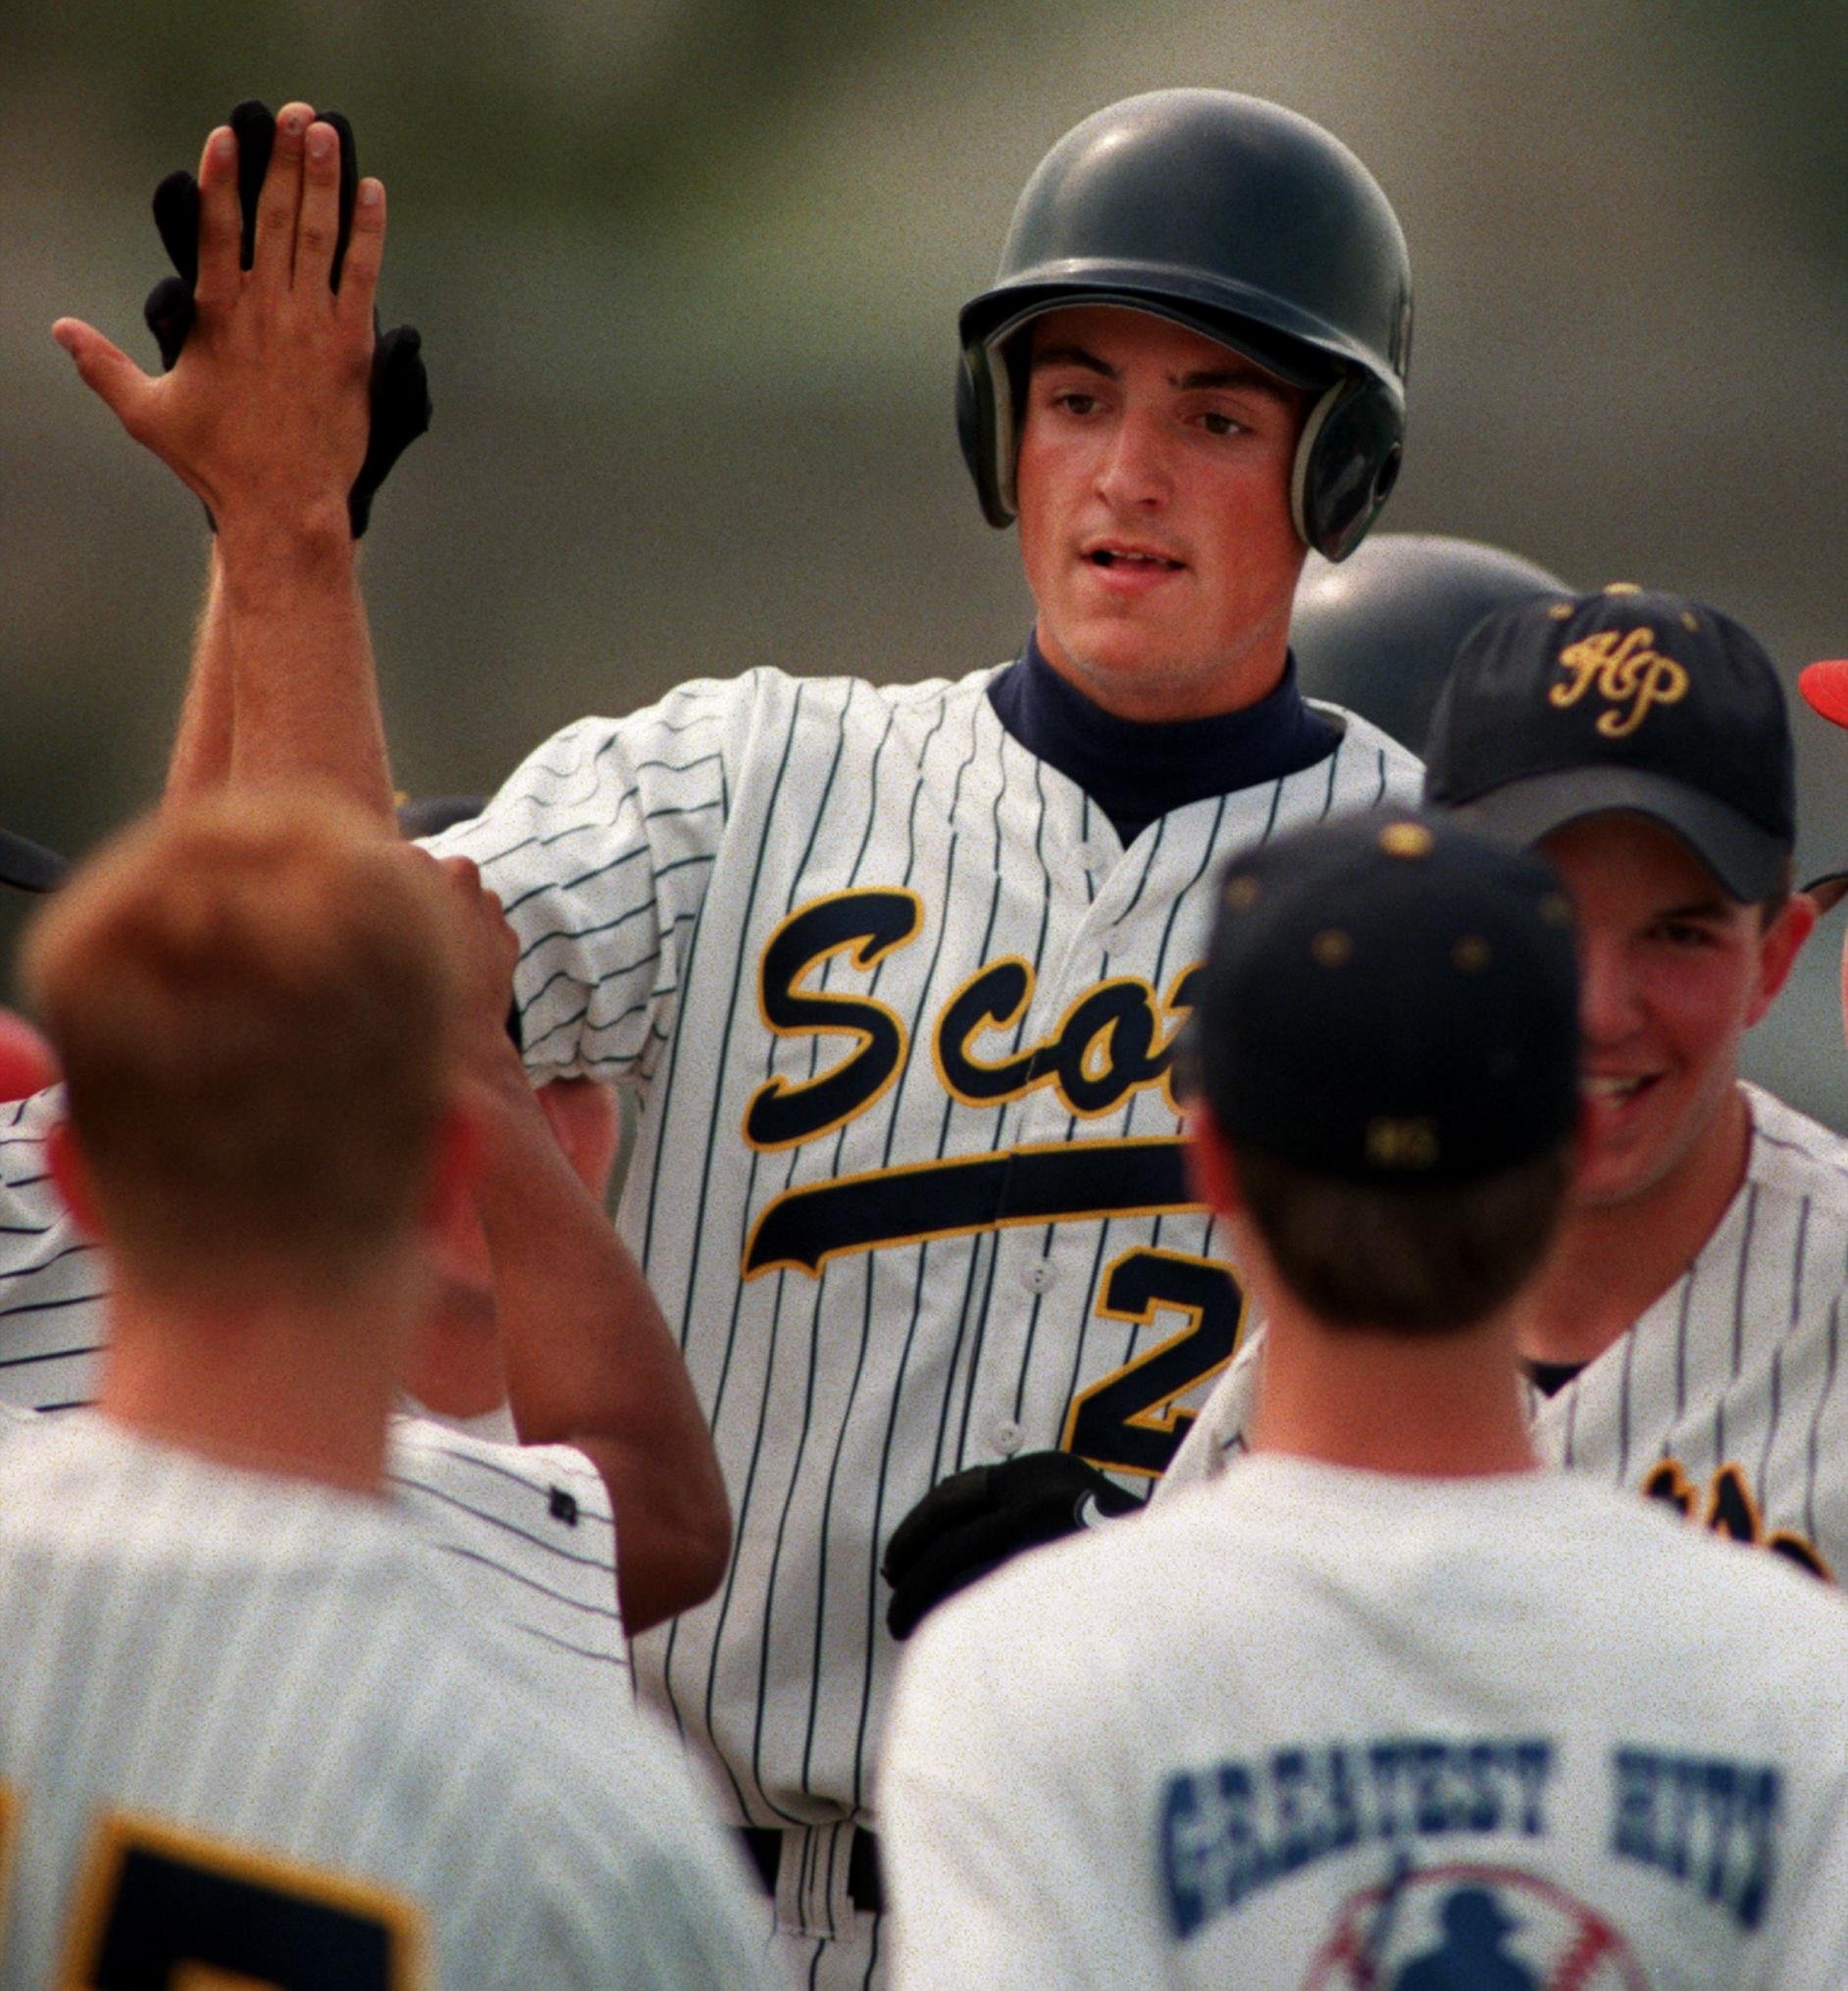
589 1360
265 417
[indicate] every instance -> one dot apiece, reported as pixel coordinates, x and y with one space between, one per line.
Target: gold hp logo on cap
1402 1144
1629 673
1406 839
1471 953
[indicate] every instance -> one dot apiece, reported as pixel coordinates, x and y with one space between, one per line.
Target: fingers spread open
220 225
360 282
320 210
280 205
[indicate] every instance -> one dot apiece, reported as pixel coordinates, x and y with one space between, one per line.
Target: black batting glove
400 388
976 1520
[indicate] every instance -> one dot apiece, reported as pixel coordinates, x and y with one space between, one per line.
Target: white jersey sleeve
51 1280
525 1534
601 847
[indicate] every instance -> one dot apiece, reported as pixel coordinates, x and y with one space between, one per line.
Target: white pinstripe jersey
1319 1728
908 1182
252 1693
525 1529
1724 1397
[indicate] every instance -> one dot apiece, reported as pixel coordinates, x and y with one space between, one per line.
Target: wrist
258 551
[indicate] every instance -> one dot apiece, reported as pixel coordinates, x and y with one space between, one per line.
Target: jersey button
1007 1436
1038 1276
1093 857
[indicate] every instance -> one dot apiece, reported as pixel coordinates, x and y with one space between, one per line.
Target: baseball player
527 1530
897 971
1684 1340
1385 1706
248 1735
1378 632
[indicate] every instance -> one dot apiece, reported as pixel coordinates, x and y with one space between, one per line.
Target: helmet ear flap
985 430
1347 463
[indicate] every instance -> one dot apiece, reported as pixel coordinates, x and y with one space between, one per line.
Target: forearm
590 1361
287 611
203 746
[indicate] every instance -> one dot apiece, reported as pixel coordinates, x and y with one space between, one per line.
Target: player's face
1672 975
1153 487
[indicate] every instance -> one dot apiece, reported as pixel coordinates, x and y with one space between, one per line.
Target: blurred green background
688 273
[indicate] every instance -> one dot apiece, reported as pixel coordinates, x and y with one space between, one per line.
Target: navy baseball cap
1569 706
1390 998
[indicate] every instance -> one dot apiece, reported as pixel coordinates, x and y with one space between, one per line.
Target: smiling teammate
1686 1336
896 970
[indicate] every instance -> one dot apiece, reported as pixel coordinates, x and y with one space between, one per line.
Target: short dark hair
1419 1257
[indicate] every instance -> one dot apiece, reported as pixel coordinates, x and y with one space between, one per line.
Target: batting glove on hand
976 1520
400 388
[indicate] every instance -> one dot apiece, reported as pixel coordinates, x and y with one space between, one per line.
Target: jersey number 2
1130 1421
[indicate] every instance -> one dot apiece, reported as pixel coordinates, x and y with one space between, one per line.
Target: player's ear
72 1177
1212 1167
1779 945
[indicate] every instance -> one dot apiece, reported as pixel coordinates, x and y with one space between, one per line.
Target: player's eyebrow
1071 356
1238 374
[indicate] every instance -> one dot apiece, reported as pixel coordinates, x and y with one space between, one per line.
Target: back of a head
1386 1039
253 1000
1378 632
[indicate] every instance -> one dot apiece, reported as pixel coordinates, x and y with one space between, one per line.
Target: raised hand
267 412
400 387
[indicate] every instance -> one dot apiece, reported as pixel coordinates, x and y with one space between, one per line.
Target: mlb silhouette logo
1471 1928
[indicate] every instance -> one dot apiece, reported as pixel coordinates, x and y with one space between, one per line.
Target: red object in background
1824 687
27 1065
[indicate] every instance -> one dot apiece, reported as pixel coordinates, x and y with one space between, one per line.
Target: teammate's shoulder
1716 1592
621 1848
1359 736
1794 1154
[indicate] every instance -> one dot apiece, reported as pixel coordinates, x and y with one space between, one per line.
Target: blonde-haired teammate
250 1732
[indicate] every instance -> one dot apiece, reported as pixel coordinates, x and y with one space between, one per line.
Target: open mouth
1113 556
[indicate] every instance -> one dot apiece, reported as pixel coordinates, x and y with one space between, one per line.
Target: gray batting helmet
1378 633
1242 221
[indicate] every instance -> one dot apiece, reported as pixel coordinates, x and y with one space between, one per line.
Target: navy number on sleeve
1130 1421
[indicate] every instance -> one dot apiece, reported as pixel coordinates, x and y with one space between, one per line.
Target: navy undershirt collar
1136 770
